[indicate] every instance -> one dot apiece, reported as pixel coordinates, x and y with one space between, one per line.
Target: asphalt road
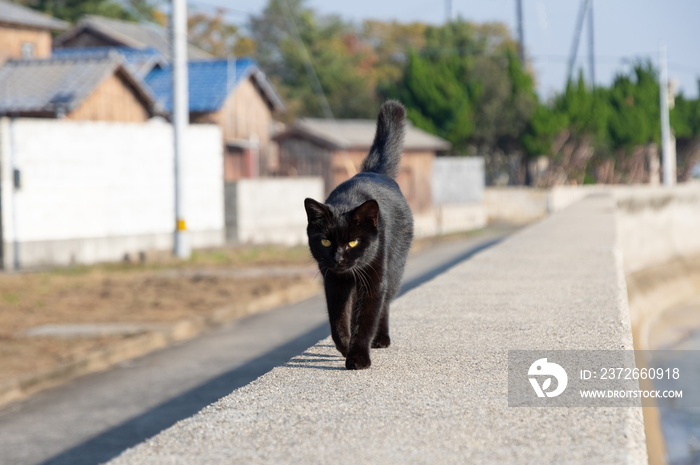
94 418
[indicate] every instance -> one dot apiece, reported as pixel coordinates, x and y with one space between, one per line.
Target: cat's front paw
358 361
381 341
342 348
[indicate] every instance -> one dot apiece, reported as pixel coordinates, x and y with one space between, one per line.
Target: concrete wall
559 284
439 393
658 224
448 219
659 236
458 180
515 204
95 191
525 204
457 190
270 210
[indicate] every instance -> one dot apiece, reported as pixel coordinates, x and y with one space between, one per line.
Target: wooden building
237 96
334 150
25 33
100 89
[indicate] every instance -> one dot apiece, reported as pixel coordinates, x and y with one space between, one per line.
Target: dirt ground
153 293
159 291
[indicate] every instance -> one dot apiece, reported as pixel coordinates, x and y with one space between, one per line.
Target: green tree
685 116
467 86
436 99
586 109
635 116
292 41
545 126
685 121
213 34
391 43
72 10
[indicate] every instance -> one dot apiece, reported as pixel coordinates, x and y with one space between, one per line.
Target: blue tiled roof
130 55
210 82
140 61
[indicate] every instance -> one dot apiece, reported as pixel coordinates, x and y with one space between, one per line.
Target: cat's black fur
361 281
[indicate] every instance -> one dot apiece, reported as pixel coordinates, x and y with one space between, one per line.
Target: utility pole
448 11
591 44
180 118
521 34
668 153
577 36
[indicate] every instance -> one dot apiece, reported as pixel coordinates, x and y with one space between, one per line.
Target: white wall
458 180
655 223
515 204
526 204
95 191
270 210
449 219
658 224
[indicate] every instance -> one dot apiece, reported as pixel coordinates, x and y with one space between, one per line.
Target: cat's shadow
317 361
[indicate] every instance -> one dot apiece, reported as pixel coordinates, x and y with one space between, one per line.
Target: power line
543 59
218 6
591 43
521 33
679 67
577 36
308 65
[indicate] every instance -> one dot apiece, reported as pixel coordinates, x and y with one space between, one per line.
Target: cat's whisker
366 283
368 280
376 273
363 282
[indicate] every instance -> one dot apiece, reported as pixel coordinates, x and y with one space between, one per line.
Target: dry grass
149 293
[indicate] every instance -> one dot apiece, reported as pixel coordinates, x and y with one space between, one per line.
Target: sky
624 31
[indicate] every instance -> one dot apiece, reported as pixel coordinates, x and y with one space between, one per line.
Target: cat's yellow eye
325 242
353 243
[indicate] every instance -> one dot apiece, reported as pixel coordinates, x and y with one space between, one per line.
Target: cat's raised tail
385 155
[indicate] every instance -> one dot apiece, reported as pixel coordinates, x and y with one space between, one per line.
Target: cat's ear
367 213
316 210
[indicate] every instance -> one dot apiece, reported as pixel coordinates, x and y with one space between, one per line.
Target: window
27 50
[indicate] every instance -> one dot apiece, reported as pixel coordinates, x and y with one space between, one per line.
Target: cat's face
342 241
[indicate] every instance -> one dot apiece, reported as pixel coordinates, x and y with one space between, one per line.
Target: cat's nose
339 257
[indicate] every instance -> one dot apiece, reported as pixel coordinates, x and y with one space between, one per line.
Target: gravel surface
439 393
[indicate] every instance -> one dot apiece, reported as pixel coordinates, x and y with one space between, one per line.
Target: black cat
360 238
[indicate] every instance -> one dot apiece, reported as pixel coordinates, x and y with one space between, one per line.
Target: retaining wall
260 211
439 393
658 224
525 204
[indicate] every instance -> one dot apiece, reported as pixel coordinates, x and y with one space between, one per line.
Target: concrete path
438 395
94 418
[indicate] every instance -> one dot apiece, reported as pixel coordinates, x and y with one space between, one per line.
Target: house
96 31
25 33
237 96
94 89
334 150
234 94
